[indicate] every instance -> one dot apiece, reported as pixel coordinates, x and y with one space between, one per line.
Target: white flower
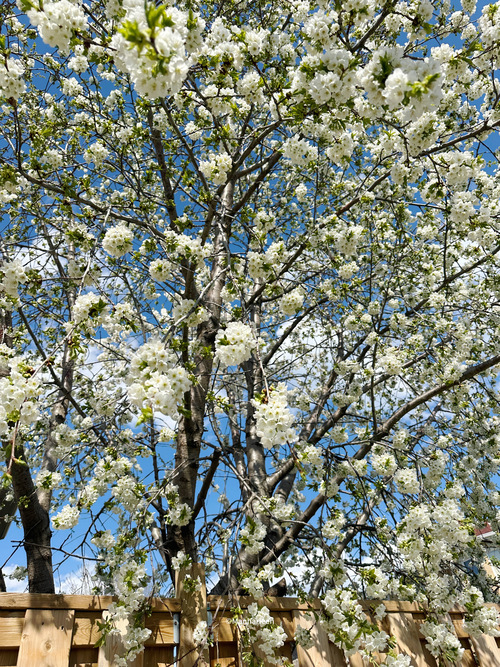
12 274
299 151
89 306
273 418
292 302
118 241
200 633
216 167
67 518
11 82
407 481
96 153
48 480
169 45
181 560
234 344
160 270
252 536
58 21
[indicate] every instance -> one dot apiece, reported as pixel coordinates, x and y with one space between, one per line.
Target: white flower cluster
333 527
441 640
12 274
480 619
274 419
392 362
378 586
250 87
263 632
181 245
125 575
429 539
489 24
407 481
18 393
347 238
261 265
126 493
392 80
104 540
299 151
292 302
200 634
48 480
181 560
159 64
181 313
58 21
399 660
118 241
216 167
96 153
178 514
337 84
383 462
155 380
160 270
67 518
303 637
11 82
347 626
252 536
253 580
107 471
128 582
78 63
89 310
234 344
341 148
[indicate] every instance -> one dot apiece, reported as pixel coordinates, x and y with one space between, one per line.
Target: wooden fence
62 631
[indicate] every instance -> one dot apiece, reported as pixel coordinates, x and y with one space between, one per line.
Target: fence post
193 611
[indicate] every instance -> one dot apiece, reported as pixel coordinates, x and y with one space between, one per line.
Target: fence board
113 646
11 632
405 631
60 601
85 630
46 638
338 656
319 655
223 630
224 655
486 650
161 625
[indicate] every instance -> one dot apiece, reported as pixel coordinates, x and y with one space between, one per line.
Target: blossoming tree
250 298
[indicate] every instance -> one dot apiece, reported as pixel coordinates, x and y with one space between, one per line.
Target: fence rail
62 631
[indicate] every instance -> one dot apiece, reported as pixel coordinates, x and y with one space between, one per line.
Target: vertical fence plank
114 648
322 653
404 629
224 655
46 638
487 651
338 656
193 611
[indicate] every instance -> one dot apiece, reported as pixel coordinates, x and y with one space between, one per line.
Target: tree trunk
36 528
